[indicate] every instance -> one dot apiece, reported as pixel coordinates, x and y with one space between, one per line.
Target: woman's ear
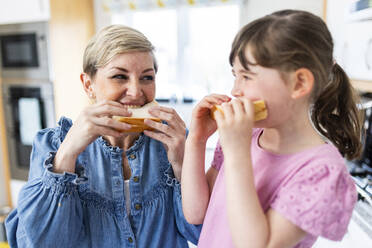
87 85
303 83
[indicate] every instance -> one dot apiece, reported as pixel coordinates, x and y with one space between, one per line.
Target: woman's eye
148 78
120 76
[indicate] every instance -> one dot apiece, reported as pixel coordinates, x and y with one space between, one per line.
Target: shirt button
135 179
130 240
132 156
138 206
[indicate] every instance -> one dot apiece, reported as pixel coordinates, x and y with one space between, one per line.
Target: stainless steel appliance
26 88
28 108
24 50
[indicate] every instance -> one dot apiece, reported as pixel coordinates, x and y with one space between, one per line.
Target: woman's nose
134 88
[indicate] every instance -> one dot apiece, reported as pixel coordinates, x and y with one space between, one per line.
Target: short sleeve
218 157
319 199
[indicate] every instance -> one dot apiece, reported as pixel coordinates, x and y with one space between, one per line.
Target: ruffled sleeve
319 199
49 211
188 231
218 157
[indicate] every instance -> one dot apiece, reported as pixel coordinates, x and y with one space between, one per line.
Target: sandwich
260 111
136 120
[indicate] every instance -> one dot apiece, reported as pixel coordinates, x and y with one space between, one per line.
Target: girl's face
261 83
129 79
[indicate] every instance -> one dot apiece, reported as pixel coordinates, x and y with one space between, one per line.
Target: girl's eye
246 77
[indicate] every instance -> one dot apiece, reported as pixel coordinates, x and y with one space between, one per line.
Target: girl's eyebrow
247 71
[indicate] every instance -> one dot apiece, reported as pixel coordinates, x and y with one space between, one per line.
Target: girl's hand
172 135
202 125
235 125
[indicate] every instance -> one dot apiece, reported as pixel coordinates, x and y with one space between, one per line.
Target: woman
76 196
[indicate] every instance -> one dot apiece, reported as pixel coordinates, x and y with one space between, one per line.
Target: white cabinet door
20 11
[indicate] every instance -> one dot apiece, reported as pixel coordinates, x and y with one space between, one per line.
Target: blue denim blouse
87 208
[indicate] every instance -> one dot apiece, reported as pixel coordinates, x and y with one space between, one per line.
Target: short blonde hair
111 41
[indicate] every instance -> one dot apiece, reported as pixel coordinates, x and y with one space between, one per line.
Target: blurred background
42 44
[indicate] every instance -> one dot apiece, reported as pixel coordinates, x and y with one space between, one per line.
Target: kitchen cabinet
352 42
355 53
71 26
20 11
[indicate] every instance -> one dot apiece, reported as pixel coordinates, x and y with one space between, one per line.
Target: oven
24 50
28 108
26 88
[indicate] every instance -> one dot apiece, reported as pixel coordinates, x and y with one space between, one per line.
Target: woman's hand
172 135
94 121
235 125
202 125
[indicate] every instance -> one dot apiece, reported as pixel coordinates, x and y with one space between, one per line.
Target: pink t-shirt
312 189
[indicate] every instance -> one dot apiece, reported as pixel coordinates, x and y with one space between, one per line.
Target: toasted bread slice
260 111
139 114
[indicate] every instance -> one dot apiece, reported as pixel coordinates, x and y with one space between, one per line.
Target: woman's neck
124 142
293 136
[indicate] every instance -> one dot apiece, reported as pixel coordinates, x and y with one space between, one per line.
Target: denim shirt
87 208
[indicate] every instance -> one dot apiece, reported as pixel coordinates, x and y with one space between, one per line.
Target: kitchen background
42 43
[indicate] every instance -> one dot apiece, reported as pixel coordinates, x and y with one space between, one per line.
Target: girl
282 181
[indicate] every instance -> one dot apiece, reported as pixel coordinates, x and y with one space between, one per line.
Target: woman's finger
162 137
164 128
111 123
109 108
102 131
169 115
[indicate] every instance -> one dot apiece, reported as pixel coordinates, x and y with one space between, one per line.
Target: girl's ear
303 83
87 85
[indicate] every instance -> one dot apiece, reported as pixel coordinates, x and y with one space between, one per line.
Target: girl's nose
236 90
134 88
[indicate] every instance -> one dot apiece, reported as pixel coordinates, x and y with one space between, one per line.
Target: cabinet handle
368 55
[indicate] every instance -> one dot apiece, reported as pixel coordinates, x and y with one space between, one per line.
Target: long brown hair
291 39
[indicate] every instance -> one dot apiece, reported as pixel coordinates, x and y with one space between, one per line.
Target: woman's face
129 79
261 83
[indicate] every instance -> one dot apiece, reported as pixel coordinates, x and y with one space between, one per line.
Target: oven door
19 51
28 109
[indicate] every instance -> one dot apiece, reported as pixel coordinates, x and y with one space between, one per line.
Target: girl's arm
248 222
195 188
195 184
245 213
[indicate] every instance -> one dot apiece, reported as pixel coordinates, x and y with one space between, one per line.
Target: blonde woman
93 186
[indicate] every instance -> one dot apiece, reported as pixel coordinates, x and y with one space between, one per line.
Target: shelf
362 85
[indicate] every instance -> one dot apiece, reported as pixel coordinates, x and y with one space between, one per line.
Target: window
192 47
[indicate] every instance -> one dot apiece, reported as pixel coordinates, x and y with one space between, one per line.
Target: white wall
251 10
254 9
